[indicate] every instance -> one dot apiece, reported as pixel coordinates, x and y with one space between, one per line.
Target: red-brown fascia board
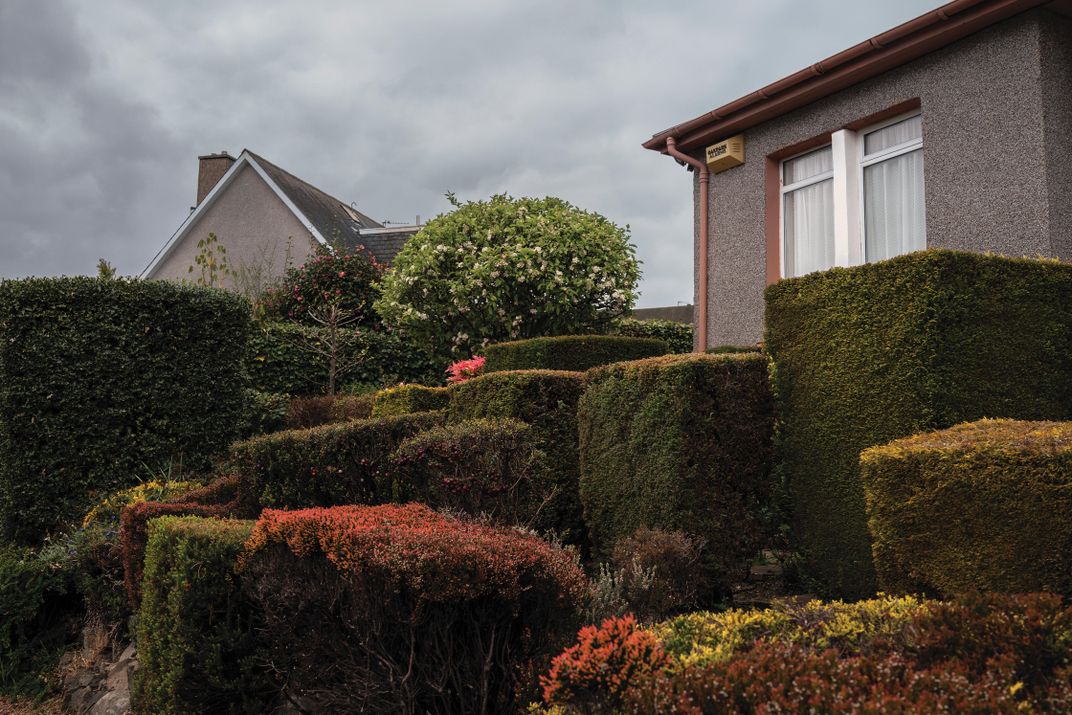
883 52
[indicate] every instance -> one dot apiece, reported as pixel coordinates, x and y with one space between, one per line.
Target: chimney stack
210 169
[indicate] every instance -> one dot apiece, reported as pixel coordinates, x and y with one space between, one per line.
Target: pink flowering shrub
463 370
348 278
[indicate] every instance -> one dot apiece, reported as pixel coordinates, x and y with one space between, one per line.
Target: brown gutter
701 299
902 44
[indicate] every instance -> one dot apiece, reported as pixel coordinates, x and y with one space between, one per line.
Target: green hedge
547 401
569 352
679 443
678 336
407 399
873 353
280 361
485 466
323 466
196 631
103 380
982 506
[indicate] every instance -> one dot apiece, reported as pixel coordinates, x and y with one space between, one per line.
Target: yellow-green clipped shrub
107 511
983 506
196 631
408 399
679 442
570 352
873 353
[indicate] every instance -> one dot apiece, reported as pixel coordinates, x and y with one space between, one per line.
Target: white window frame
784 190
849 161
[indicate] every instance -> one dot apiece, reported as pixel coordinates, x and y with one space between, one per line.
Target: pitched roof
328 219
883 52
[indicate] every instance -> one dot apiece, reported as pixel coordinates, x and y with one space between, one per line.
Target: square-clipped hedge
678 336
101 380
323 466
570 352
407 399
983 506
678 443
873 353
305 412
547 401
196 630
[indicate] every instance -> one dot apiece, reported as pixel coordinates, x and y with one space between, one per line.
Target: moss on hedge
196 631
569 352
982 506
407 399
104 380
679 443
323 466
869 354
547 401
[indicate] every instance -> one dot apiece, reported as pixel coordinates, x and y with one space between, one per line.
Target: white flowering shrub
506 269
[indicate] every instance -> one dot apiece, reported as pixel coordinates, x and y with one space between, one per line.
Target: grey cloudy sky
105 105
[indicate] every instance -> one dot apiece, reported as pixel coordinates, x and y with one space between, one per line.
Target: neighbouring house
267 219
673 313
953 130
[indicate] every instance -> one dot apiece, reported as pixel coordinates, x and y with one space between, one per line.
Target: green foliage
281 360
873 353
105 513
482 467
101 379
212 268
323 466
347 279
679 442
34 609
506 269
569 352
407 399
195 630
982 506
731 349
315 411
265 412
547 401
678 336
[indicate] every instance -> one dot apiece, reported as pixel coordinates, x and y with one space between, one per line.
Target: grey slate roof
336 221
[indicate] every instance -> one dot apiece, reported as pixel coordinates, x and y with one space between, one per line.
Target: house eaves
904 43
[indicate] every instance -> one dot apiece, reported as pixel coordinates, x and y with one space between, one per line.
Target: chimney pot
210 169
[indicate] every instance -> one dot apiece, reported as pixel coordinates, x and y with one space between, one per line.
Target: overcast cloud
105 105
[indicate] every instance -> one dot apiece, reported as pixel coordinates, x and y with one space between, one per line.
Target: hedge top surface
997 437
413 545
664 362
234 531
570 352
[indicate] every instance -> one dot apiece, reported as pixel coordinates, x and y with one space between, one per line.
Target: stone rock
115 702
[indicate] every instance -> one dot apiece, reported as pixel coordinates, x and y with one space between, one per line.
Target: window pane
807 166
808 219
894 135
894 212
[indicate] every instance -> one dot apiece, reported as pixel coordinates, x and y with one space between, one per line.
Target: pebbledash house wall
997 159
256 228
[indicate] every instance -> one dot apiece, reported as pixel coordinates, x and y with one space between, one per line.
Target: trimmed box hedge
569 352
683 443
102 380
196 629
869 354
547 401
678 336
983 506
484 466
407 399
305 412
323 466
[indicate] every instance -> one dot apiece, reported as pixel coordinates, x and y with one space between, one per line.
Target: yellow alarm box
726 154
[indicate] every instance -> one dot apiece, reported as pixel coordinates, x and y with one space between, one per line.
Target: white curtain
894 135
894 212
809 229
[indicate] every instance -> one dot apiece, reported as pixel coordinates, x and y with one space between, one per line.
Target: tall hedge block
547 401
330 465
869 354
101 380
570 352
679 443
982 506
196 631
